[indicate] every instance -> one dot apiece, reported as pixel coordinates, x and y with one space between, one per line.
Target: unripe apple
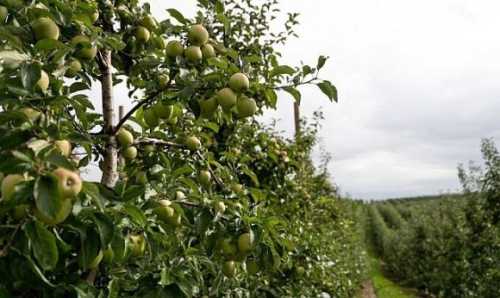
205 178
142 177
252 267
33 115
85 49
226 98
237 188
159 42
179 195
193 54
301 270
124 14
149 22
165 213
142 34
208 107
95 263
137 245
61 216
94 16
193 143
21 211
64 146
151 118
69 183
3 14
125 138
163 80
130 153
229 269
198 35
163 111
220 207
9 185
174 48
246 107
239 82
45 28
43 82
74 67
208 51
149 148
245 242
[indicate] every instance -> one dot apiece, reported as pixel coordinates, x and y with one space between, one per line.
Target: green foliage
159 231
449 244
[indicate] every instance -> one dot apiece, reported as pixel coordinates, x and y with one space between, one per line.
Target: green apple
74 67
219 207
205 178
95 263
149 148
130 153
208 51
85 49
149 22
61 216
193 54
179 195
198 35
237 188
151 118
69 183
163 80
136 245
174 48
64 146
228 248
246 242
9 185
301 270
226 98
252 267
94 16
33 115
229 268
246 106
142 177
163 111
159 42
45 28
239 82
21 211
193 143
125 137
3 14
208 107
43 82
165 213
142 34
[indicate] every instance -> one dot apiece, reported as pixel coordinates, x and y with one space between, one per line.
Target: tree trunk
110 172
296 113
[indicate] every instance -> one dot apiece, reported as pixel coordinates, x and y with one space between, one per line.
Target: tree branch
4 251
150 141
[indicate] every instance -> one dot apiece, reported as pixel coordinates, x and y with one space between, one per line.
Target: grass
385 288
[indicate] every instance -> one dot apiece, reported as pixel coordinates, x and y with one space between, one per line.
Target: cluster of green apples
237 250
69 185
126 140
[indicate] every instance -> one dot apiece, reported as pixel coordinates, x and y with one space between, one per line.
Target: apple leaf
30 74
105 227
90 248
177 15
329 90
282 70
43 244
294 92
47 198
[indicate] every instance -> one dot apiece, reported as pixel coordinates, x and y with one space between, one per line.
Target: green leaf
271 97
105 227
321 61
89 248
47 199
47 44
294 92
135 214
30 74
43 244
281 70
92 190
177 15
329 90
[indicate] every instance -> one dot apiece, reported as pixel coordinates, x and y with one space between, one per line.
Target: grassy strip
385 288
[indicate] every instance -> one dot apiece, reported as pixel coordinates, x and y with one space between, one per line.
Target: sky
418 88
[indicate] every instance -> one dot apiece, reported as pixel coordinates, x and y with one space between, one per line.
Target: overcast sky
418 84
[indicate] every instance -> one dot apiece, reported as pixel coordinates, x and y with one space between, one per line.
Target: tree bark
110 171
296 113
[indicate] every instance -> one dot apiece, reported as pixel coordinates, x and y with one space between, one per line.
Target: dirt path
368 291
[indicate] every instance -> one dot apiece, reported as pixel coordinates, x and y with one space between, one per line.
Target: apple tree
182 207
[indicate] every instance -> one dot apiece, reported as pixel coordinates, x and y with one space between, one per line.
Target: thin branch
150 141
4 251
129 114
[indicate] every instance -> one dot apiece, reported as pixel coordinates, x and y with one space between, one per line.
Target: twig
150 141
3 251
